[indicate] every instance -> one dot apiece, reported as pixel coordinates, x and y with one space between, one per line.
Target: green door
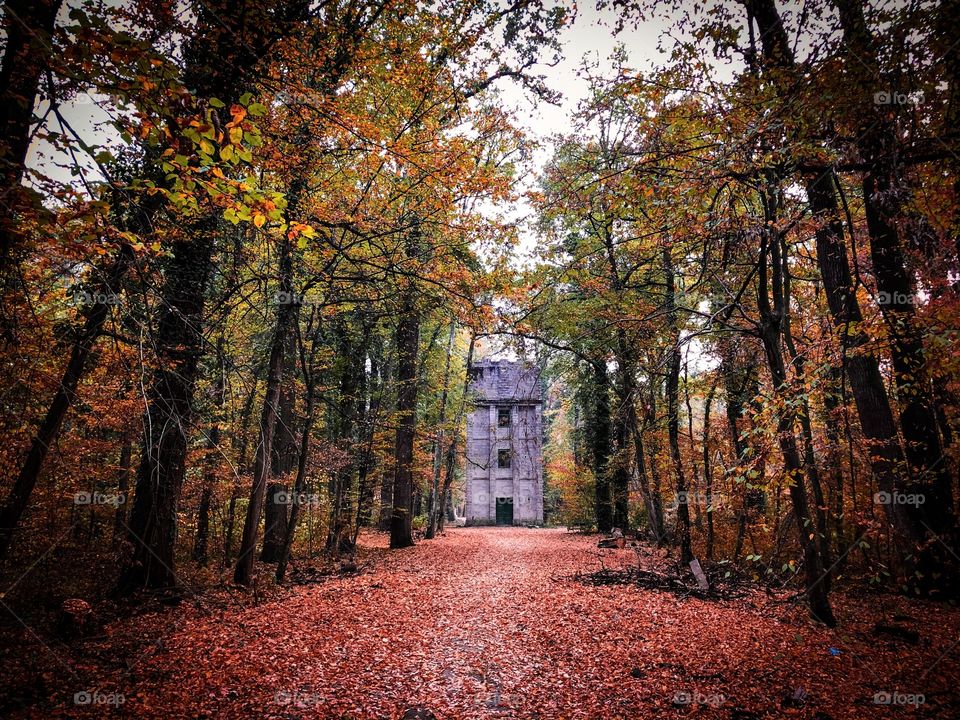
505 511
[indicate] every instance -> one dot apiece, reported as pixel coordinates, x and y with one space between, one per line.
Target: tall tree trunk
407 344
862 366
245 414
651 499
96 316
886 200
620 468
339 538
408 339
771 319
28 30
153 521
282 461
385 512
450 462
873 406
433 501
230 41
598 434
300 485
707 469
374 389
741 386
673 409
201 545
123 489
286 317
202 540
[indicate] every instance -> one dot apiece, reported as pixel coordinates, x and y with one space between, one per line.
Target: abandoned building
504 460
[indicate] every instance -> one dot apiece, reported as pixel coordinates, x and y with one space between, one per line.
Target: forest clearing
480 358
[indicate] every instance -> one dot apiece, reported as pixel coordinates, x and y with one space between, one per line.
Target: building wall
504 384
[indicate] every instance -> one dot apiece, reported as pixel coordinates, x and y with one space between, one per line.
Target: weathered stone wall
512 386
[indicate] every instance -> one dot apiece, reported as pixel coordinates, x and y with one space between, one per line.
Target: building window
503 458
503 417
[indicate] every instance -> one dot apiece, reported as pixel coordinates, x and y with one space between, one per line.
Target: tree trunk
229 42
202 539
407 343
408 337
886 199
433 501
123 490
201 543
245 414
96 316
862 367
275 519
598 440
450 462
283 460
771 319
153 521
28 30
374 389
707 469
300 484
286 317
873 406
339 538
673 411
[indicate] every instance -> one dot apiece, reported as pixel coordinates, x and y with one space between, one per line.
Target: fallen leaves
491 623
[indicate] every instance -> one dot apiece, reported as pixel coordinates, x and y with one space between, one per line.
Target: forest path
492 623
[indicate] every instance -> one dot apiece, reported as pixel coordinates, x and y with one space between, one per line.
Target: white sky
590 35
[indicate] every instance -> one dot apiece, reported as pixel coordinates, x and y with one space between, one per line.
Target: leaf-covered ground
492 623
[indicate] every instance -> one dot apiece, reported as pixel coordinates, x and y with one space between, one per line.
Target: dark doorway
505 511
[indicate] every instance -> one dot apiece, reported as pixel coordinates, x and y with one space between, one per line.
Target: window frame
501 453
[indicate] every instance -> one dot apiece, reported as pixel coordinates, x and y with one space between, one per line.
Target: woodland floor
493 623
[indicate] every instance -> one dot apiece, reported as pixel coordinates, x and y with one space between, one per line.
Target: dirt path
489 623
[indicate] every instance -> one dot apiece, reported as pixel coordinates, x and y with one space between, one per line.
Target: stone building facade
504 439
